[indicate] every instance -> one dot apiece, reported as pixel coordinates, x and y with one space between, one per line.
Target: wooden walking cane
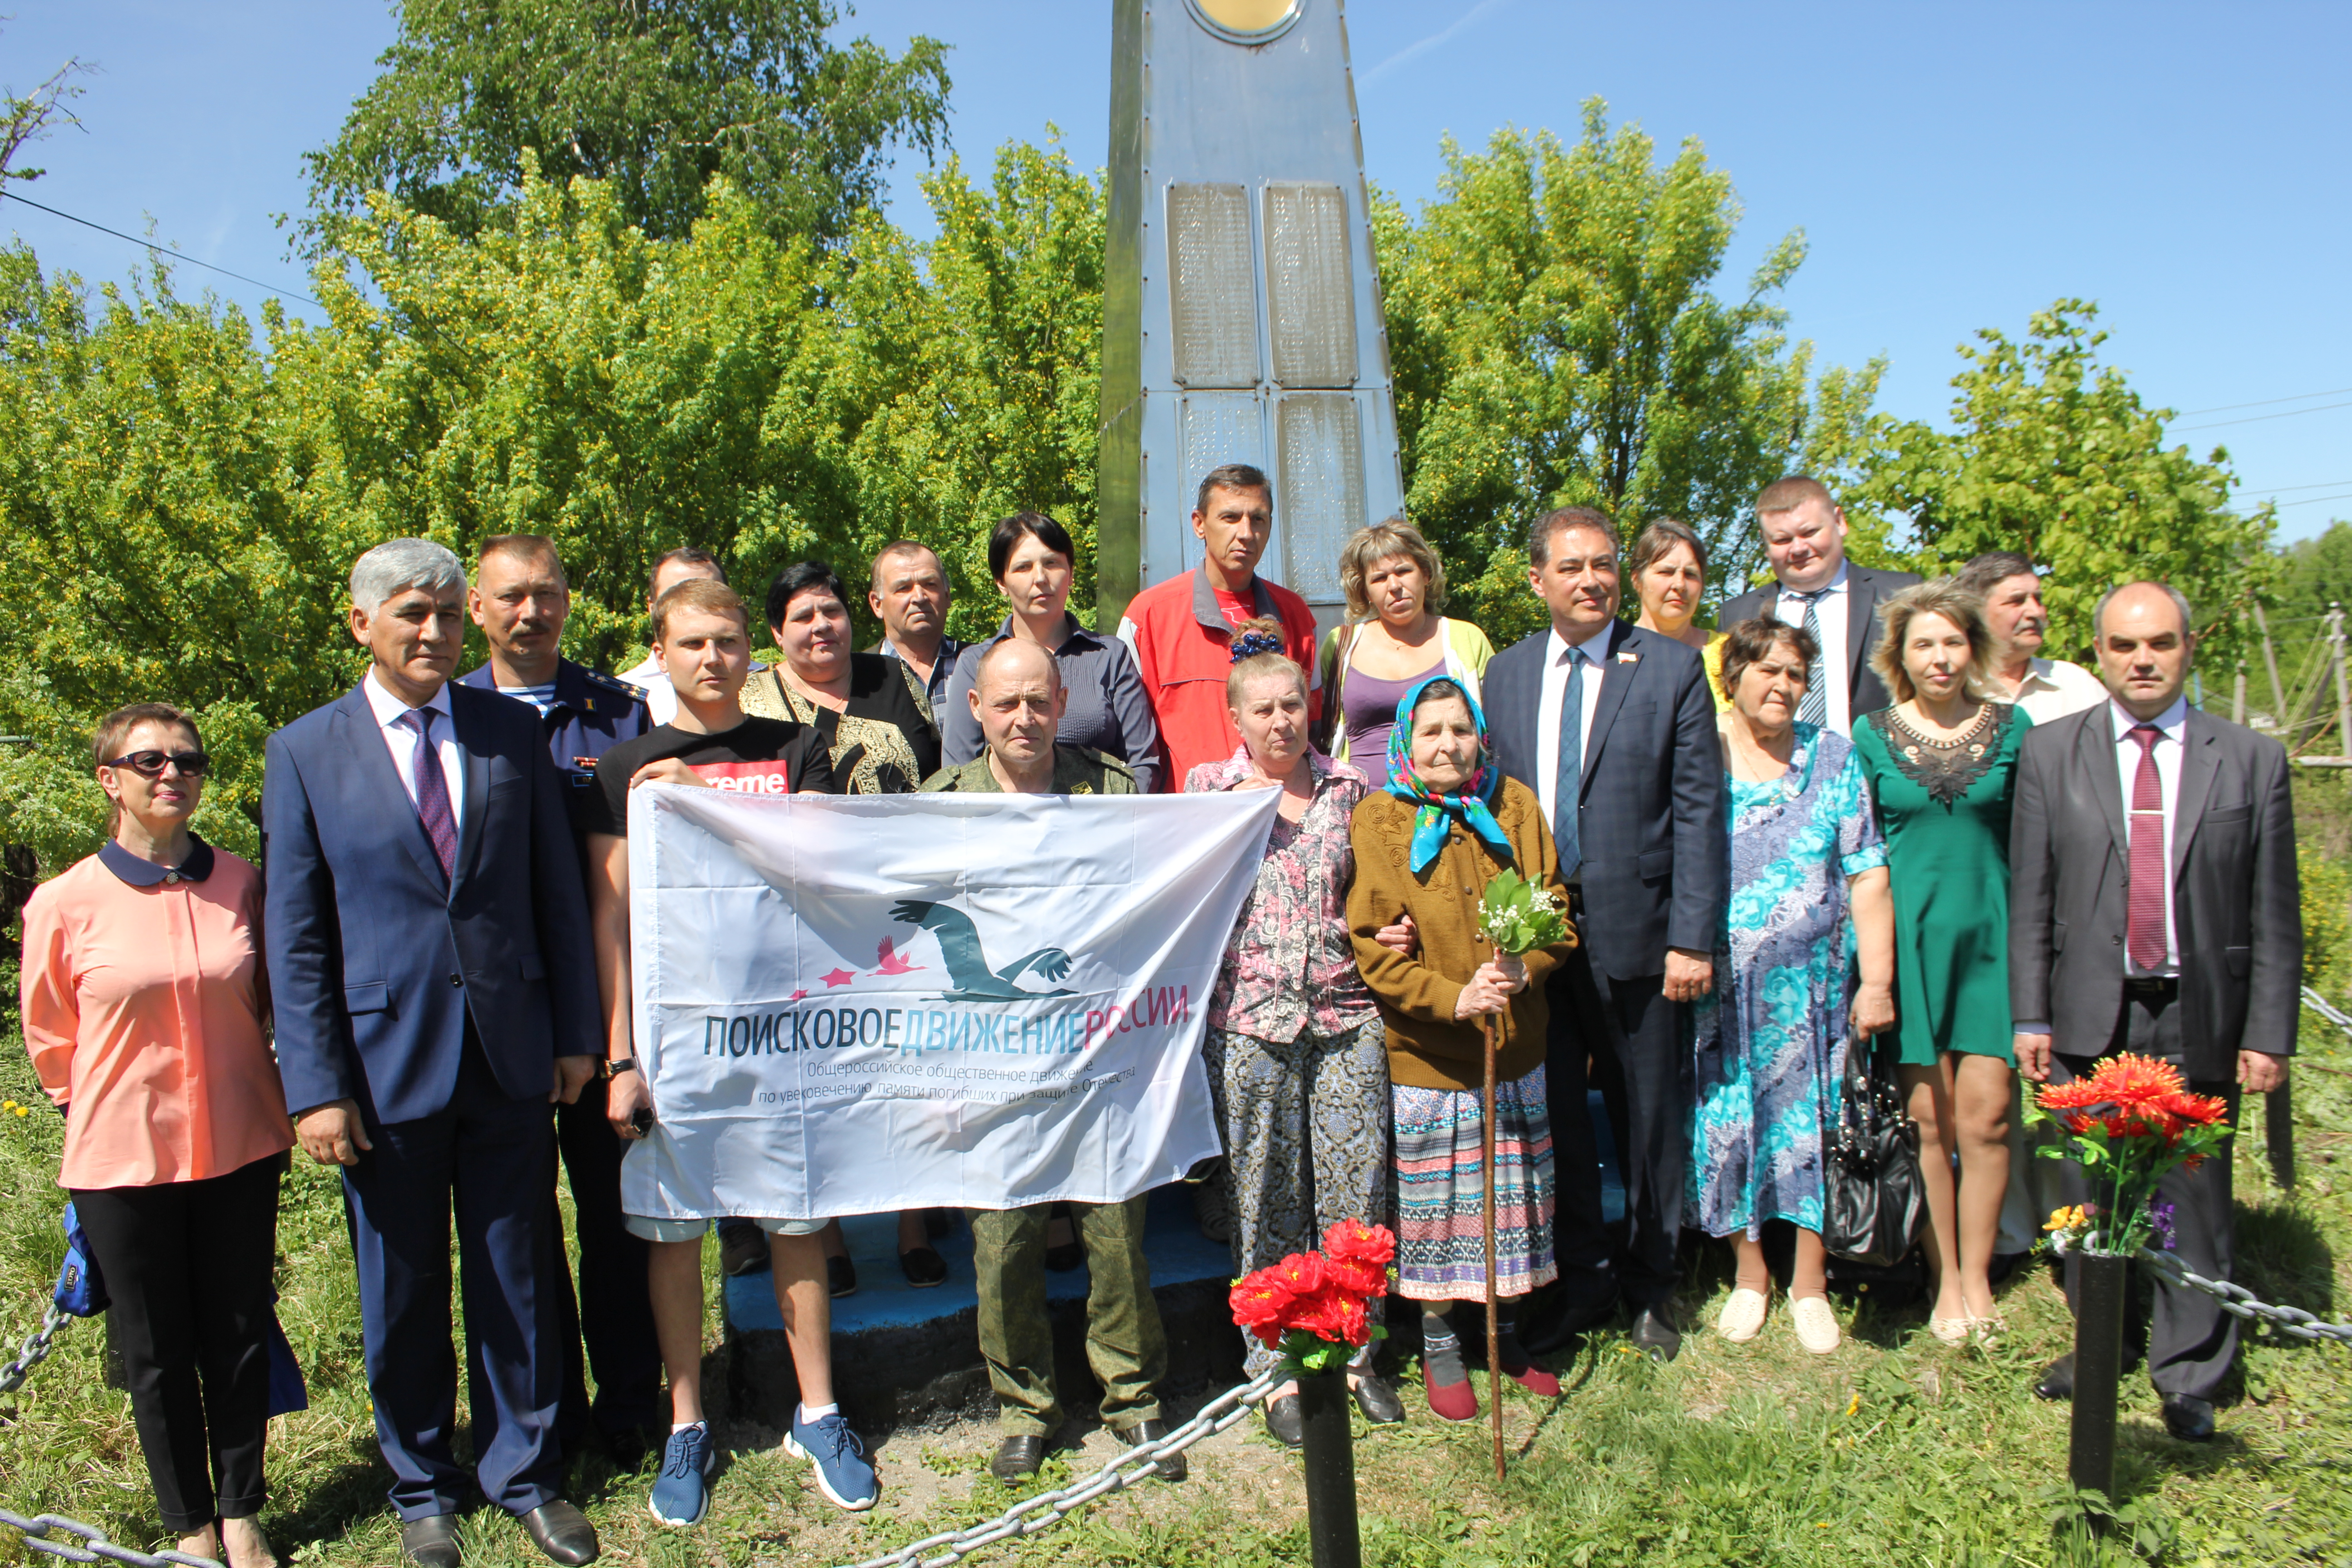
1494 1332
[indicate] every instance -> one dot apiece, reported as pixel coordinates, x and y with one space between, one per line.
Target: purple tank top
1368 705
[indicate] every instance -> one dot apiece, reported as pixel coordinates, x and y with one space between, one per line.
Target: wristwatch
615 1066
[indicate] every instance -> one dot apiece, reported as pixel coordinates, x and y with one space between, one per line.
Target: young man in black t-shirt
702 632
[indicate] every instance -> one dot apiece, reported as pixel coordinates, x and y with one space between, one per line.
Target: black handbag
1872 1199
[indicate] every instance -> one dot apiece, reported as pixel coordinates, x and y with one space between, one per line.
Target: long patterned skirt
1307 1142
1442 1191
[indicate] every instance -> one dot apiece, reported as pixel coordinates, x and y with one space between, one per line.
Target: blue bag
80 1293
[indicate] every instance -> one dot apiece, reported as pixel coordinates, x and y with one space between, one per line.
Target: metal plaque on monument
1241 309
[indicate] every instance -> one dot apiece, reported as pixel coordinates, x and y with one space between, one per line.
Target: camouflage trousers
1126 1345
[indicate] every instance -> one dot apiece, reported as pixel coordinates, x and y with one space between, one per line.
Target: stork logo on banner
967 961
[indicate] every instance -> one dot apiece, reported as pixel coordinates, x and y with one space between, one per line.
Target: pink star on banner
797 994
838 976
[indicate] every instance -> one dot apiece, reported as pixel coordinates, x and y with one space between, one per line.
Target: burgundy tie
2144 938
441 823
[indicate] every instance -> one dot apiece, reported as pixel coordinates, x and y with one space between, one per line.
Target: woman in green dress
1942 762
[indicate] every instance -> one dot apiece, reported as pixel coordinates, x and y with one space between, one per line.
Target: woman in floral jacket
1296 1054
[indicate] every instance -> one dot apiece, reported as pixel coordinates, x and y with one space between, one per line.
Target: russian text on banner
854 1004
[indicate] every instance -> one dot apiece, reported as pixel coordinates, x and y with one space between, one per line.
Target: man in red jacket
1182 630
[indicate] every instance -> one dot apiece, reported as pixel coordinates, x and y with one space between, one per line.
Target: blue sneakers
679 1497
844 1473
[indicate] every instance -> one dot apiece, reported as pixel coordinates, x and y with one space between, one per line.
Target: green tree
1554 339
651 97
2053 454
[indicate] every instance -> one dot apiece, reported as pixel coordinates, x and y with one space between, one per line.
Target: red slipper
1534 1379
1451 1401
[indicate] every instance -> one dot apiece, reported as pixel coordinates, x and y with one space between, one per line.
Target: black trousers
2190 1340
188 1267
612 1311
1642 1066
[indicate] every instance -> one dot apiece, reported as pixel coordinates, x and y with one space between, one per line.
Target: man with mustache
2046 688
521 598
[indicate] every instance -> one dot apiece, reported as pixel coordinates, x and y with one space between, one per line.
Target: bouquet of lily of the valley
1314 1307
2128 1123
1515 915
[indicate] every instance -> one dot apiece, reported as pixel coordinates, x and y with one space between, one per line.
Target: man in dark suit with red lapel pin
435 993
1613 729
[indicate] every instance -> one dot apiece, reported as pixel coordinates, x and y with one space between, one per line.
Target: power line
2312 500
2256 418
159 249
2265 403
2286 490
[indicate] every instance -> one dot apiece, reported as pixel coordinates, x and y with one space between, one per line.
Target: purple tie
433 791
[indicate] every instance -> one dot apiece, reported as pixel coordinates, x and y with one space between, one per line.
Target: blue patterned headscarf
1434 821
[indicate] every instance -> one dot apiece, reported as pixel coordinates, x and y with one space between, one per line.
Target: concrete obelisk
1241 310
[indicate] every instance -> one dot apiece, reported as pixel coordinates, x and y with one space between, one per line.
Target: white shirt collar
388 708
2170 721
1591 647
1833 586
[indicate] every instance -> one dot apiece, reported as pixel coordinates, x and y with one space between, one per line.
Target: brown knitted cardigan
1428 1047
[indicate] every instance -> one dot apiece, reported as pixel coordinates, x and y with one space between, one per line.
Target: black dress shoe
2057 1380
1150 1430
561 1531
431 1541
923 1268
1568 1318
1377 1398
1018 1456
1285 1420
2188 1418
840 1276
1655 1334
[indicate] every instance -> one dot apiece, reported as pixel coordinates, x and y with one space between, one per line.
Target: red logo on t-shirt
746 778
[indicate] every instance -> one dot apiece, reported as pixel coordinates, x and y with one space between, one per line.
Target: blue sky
1953 166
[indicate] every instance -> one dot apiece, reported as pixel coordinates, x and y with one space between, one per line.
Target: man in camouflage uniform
1018 698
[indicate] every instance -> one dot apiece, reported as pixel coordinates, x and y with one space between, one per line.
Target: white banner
853 1005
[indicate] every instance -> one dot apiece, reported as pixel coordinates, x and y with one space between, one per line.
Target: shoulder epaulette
614 683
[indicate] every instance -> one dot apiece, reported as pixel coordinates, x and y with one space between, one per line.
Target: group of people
1866 815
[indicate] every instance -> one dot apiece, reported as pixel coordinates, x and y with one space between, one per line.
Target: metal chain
2240 1302
1049 1508
35 1349
92 1545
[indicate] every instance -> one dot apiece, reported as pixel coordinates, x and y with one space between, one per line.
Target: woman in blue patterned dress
1809 908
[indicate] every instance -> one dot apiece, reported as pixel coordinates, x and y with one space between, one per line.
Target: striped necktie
433 790
1567 777
1813 707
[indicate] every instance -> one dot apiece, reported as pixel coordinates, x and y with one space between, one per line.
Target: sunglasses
150 764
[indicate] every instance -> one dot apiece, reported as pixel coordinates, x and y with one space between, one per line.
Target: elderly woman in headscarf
1427 846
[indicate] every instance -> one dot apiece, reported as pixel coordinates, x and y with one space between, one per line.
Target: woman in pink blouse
1296 1054
143 1001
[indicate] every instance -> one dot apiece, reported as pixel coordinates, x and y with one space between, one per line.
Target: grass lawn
1895 1450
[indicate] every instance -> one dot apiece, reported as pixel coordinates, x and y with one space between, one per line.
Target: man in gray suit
2154 908
1819 589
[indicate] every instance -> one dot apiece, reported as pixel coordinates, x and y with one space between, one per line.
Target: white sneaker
1743 1316
1816 1325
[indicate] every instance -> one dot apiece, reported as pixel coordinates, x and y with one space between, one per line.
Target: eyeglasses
150 764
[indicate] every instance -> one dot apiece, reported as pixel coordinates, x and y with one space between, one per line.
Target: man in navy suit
1816 588
1613 727
435 993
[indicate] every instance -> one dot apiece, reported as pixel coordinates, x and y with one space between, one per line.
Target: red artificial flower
1334 1316
1260 1300
1354 1240
1301 1273
1357 1276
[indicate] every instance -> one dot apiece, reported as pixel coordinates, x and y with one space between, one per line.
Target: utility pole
2343 692
2269 663
2237 696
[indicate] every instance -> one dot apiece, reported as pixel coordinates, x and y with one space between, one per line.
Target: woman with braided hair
1296 1054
